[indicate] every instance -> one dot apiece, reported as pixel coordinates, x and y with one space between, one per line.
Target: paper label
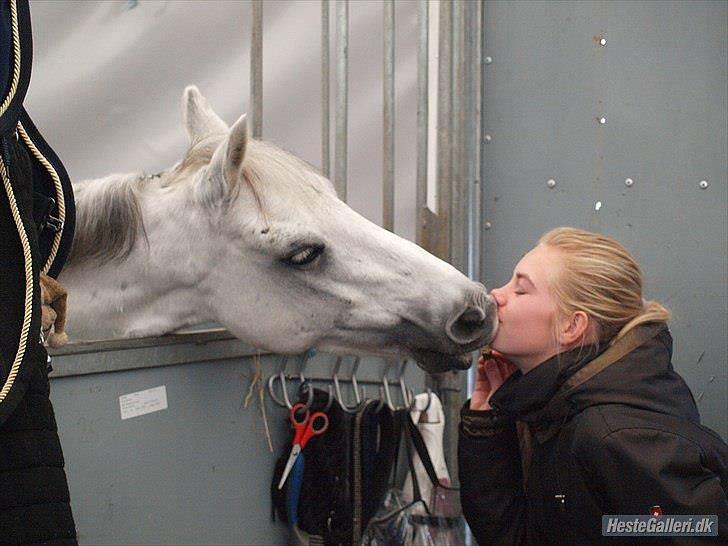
141 402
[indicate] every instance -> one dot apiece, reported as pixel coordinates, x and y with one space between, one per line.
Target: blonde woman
578 412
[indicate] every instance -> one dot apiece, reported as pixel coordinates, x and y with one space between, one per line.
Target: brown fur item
53 298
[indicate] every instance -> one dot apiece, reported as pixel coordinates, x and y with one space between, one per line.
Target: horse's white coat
212 241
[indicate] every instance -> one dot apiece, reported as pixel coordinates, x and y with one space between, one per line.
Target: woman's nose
498 296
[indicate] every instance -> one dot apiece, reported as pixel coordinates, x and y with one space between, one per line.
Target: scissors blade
289 464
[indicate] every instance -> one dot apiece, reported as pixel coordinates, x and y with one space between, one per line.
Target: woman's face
526 310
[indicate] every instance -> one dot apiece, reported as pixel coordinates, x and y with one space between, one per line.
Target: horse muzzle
468 329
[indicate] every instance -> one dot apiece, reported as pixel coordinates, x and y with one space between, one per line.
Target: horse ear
236 144
225 167
199 119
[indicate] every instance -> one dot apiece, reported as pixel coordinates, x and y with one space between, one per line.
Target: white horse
243 233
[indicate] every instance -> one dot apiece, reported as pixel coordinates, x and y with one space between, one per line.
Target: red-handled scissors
306 425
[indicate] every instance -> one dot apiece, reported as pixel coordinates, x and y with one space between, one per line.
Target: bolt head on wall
703 184
551 183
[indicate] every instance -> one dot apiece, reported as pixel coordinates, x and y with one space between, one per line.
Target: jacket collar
526 397
642 379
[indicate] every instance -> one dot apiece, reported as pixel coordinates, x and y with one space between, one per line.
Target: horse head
293 267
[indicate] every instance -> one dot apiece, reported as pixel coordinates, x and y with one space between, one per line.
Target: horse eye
304 257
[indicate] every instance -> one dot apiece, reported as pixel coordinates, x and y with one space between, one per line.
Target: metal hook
304 362
306 388
285 403
385 387
408 397
337 387
271 391
381 401
354 383
330 399
304 384
380 404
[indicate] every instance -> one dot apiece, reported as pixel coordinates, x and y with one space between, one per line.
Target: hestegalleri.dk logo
614 525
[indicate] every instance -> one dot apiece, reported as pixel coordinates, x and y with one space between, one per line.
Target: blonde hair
602 279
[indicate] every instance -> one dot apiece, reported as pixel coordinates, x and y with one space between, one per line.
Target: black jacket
630 439
36 227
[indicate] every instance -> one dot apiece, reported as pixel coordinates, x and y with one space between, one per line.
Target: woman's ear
574 328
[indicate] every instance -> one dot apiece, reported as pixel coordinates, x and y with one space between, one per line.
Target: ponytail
651 312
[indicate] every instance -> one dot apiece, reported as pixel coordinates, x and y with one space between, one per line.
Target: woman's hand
491 373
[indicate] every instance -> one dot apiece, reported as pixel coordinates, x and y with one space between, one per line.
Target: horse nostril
468 326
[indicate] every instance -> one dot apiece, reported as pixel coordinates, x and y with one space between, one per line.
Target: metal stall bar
474 136
447 385
474 92
422 81
256 69
458 221
342 94
325 77
388 118
444 130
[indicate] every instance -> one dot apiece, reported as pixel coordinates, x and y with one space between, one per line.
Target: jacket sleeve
491 480
633 469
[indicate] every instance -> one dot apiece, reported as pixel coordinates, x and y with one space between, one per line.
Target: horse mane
109 217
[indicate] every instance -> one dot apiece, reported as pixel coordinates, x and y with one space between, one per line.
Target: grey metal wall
659 82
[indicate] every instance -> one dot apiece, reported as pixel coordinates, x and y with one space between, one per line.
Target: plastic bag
437 522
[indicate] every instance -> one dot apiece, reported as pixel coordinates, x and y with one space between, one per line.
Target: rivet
628 182
551 183
488 60
602 41
602 120
703 184
487 225
488 138
597 205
